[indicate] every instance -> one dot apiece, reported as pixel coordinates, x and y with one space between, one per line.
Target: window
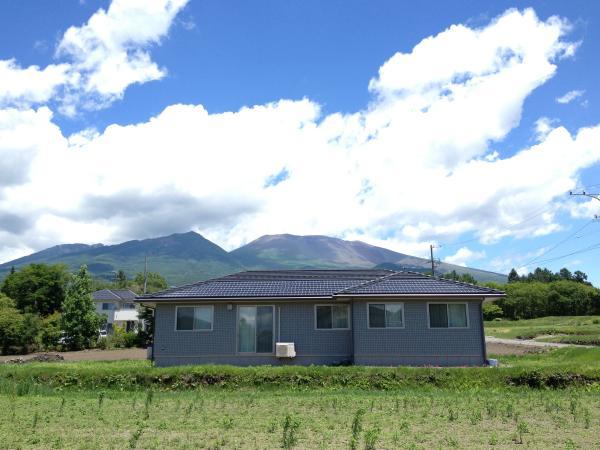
194 318
107 306
448 315
128 305
386 315
333 317
255 329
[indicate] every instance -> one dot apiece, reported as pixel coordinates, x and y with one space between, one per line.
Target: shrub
50 331
491 311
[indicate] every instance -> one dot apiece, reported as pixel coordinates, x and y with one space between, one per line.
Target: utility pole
432 262
145 272
586 194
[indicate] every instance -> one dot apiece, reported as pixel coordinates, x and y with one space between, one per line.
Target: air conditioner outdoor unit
285 350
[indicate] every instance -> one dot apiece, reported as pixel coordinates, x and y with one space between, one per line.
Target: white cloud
464 256
101 58
415 166
569 96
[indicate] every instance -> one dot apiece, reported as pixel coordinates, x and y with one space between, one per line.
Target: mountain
180 258
187 257
287 251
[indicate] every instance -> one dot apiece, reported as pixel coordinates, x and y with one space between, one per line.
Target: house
368 317
119 307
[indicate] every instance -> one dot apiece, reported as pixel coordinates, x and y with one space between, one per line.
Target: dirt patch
83 355
512 349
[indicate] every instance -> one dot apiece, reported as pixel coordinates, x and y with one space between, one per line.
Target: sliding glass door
255 329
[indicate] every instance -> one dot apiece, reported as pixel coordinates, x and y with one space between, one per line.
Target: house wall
219 346
416 344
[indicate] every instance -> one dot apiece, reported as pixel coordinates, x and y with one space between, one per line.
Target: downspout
482 332
353 327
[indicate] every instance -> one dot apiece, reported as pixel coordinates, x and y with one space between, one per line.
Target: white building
119 308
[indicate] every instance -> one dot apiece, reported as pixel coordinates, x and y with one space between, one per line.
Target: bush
491 311
50 332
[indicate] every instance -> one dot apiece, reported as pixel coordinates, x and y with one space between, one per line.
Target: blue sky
192 131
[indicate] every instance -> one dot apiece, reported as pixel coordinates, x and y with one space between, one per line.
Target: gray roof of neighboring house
321 283
113 294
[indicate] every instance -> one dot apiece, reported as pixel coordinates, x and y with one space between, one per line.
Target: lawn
125 404
567 329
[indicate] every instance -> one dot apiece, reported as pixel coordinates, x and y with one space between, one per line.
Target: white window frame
448 327
212 318
347 305
237 331
385 327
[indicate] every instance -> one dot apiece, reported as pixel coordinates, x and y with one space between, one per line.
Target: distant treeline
540 293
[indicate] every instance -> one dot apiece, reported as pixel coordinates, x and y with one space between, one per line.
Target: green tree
50 331
155 282
146 334
37 288
491 311
79 321
11 325
121 280
513 276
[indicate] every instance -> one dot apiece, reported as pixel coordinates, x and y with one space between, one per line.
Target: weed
272 426
522 428
100 400
371 438
290 428
357 427
62 406
452 415
452 442
493 439
227 422
35 421
135 437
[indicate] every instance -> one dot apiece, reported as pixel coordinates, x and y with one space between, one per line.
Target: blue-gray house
370 317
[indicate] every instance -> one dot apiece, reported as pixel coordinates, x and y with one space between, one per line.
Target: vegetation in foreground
284 418
583 330
545 400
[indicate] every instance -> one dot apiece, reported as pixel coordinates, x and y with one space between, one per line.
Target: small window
333 317
129 306
194 318
448 315
386 315
107 306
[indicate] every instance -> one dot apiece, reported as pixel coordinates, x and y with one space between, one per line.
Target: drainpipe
353 327
483 332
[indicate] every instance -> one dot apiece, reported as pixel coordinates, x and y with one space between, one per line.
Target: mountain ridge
189 257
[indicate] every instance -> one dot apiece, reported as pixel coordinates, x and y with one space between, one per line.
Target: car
102 334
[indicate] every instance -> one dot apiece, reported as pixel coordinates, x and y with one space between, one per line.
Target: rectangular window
255 329
128 305
107 306
386 315
448 315
194 318
332 317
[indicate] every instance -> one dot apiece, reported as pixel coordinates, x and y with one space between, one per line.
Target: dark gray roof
113 294
320 283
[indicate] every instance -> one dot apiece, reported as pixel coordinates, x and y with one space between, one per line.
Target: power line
583 250
559 243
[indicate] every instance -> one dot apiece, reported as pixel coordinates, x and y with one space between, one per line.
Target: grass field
280 418
129 404
567 329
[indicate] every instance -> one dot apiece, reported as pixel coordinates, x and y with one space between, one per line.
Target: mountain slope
181 258
286 251
188 257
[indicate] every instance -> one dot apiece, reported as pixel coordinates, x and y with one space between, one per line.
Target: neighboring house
118 306
369 317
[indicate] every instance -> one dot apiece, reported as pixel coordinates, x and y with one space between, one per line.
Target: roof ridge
164 291
366 283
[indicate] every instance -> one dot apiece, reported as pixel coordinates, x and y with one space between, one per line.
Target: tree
11 325
79 321
513 276
121 280
154 282
37 288
580 277
491 311
565 274
146 335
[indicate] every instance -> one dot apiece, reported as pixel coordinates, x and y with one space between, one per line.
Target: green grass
321 418
567 329
129 404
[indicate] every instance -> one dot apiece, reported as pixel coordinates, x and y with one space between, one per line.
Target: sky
461 124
